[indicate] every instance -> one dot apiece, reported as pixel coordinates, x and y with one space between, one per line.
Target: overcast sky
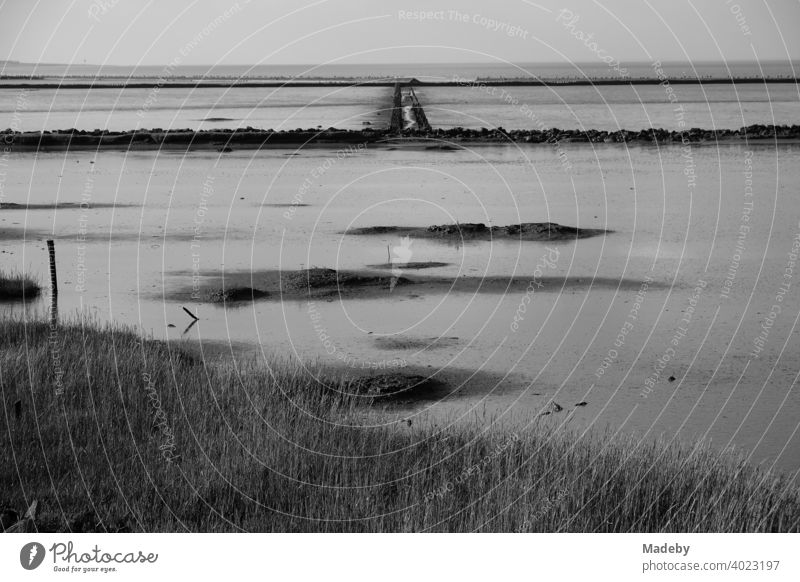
126 32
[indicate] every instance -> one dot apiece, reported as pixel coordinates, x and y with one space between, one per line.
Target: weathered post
51 249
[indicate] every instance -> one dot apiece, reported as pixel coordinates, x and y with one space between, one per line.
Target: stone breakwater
251 138
661 136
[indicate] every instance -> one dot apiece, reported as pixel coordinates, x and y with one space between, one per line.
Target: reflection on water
205 108
610 108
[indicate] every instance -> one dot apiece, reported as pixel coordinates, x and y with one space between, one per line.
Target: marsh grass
16 286
119 434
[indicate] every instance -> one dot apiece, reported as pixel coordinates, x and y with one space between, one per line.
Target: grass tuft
15 286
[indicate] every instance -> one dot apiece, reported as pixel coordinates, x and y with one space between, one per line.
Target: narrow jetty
416 119
418 112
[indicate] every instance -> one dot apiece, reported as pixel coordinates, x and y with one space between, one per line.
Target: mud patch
333 284
415 266
527 231
235 295
284 285
63 206
412 343
283 205
398 387
327 281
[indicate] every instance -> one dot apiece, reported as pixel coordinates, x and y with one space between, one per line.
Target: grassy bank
110 432
15 286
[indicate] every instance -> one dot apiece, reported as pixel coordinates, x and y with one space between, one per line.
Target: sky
150 32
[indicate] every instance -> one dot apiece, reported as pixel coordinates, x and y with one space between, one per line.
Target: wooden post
51 249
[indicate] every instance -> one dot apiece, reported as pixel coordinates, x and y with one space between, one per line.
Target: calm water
602 107
678 218
124 109
632 107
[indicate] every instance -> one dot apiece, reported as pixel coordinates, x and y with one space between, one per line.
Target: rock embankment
226 140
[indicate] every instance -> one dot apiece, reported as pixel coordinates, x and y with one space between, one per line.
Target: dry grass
16 286
119 434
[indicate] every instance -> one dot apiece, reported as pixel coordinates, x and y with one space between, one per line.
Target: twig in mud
192 315
190 326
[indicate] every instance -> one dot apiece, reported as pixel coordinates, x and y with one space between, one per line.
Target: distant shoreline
225 140
16 83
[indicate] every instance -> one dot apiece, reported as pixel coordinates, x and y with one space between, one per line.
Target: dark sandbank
412 265
395 387
288 285
414 343
412 384
331 284
386 381
283 205
235 295
528 231
63 206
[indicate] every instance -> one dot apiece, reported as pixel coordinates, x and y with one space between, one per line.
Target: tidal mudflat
674 297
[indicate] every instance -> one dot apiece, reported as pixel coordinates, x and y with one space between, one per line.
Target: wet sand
401 387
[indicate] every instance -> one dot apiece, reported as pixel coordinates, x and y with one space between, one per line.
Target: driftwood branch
192 315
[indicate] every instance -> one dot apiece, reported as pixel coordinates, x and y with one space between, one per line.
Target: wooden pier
418 112
396 122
